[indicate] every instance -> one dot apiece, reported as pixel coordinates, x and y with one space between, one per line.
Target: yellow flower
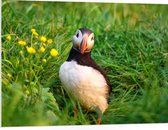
21 52
44 44
43 39
42 49
44 60
53 52
35 34
49 41
9 75
31 50
8 37
33 30
22 43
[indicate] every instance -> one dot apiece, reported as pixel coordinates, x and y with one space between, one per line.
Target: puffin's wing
90 62
97 67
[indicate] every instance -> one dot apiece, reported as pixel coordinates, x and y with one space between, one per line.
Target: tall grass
130 44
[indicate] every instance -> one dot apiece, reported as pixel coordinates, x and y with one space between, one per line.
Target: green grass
131 44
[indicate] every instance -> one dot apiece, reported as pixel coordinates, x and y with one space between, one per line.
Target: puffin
84 80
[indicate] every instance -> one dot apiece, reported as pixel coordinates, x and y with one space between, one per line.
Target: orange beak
83 44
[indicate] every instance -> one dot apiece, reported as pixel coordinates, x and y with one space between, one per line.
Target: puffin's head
83 40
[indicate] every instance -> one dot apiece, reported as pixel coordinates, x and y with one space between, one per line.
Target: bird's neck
75 55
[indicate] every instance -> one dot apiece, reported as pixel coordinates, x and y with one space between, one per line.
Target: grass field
131 44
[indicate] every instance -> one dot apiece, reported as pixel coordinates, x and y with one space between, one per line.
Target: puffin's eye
92 38
77 35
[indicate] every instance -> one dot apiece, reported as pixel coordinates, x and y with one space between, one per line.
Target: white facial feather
84 84
77 38
90 41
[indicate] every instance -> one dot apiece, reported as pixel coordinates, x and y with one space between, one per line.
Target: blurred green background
131 44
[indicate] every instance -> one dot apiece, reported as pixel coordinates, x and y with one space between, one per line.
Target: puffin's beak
83 44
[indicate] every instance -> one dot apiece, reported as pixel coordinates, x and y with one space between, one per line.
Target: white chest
84 84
